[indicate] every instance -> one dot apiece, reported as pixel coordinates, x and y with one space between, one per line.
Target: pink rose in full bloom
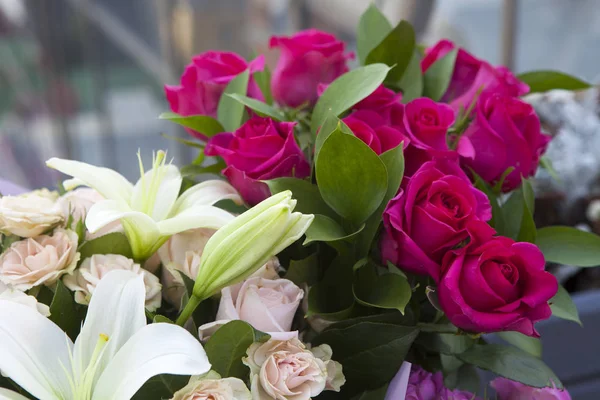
424 385
505 133
371 128
511 390
429 216
472 75
308 58
260 149
495 284
204 81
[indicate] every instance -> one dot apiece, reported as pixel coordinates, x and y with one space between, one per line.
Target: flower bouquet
372 226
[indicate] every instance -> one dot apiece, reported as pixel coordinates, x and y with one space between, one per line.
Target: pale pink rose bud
85 279
211 386
29 214
41 260
17 296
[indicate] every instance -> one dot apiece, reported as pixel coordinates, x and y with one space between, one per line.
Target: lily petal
116 310
195 217
164 195
156 349
107 182
34 351
206 193
6 394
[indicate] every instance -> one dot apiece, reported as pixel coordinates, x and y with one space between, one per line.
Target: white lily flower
113 356
151 210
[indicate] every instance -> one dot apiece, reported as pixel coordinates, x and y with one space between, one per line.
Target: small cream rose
14 295
85 279
285 370
335 376
212 387
29 214
41 260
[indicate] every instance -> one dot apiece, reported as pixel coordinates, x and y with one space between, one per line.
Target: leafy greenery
542 81
230 112
203 124
569 246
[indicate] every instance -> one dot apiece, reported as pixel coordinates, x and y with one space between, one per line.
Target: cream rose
212 387
10 294
85 279
41 260
335 375
285 370
29 214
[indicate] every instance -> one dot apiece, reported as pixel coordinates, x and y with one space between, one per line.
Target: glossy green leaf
395 49
259 107
263 80
445 343
562 306
329 126
411 83
203 124
542 81
466 377
373 27
346 91
352 179
63 311
526 343
230 112
332 298
325 229
390 291
437 77
111 243
569 246
511 363
304 271
307 195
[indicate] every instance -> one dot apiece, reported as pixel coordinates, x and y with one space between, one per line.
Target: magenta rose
495 284
429 216
204 81
385 102
424 385
370 127
505 133
471 75
261 149
307 59
511 390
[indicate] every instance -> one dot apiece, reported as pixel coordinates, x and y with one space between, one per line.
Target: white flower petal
33 351
195 217
206 193
116 310
107 182
6 394
156 349
164 196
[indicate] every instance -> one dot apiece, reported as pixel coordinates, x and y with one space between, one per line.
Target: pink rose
472 74
260 149
505 133
424 385
429 216
307 59
511 390
371 128
204 81
383 101
495 284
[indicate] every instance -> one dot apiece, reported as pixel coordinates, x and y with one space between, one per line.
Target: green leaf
329 126
161 387
304 271
375 394
111 243
546 163
263 80
203 124
445 343
227 346
373 27
529 344
332 297
466 377
162 319
527 232
307 195
370 352
411 83
497 222
262 109
542 81
352 179
324 229
63 311
437 77
230 111
393 160
389 291
396 49
194 170
187 142
346 91
569 246
511 363
562 306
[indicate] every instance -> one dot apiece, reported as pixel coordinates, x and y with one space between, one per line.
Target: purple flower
511 390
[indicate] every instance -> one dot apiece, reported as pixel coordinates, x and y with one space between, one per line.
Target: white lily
113 356
151 210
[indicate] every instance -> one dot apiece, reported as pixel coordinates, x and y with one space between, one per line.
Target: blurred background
83 79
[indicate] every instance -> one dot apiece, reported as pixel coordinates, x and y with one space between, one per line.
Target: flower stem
189 308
